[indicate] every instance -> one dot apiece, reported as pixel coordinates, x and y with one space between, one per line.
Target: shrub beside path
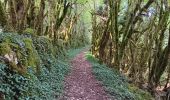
81 84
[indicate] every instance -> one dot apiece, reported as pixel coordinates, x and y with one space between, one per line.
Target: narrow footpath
81 84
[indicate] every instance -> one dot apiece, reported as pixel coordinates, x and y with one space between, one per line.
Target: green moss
14 46
28 43
29 31
4 48
32 56
140 94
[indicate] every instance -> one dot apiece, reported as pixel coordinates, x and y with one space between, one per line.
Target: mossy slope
115 83
34 72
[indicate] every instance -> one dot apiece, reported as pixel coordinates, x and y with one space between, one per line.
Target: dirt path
80 84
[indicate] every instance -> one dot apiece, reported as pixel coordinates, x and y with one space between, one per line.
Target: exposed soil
81 84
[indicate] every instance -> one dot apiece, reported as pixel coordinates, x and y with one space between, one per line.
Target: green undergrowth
115 83
73 52
36 70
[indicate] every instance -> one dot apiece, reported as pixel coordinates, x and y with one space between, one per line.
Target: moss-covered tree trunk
31 15
59 19
161 56
3 20
18 12
23 20
13 14
40 19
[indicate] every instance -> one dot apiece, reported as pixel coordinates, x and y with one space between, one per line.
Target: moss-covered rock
14 46
7 52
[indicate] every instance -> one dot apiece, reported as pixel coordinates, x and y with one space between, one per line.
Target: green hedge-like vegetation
115 83
38 73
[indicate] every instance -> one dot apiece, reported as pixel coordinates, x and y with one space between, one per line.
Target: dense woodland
128 41
134 39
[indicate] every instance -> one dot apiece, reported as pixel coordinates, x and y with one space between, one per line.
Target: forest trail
81 84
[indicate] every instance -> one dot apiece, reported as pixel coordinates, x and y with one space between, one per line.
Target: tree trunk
3 20
40 18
